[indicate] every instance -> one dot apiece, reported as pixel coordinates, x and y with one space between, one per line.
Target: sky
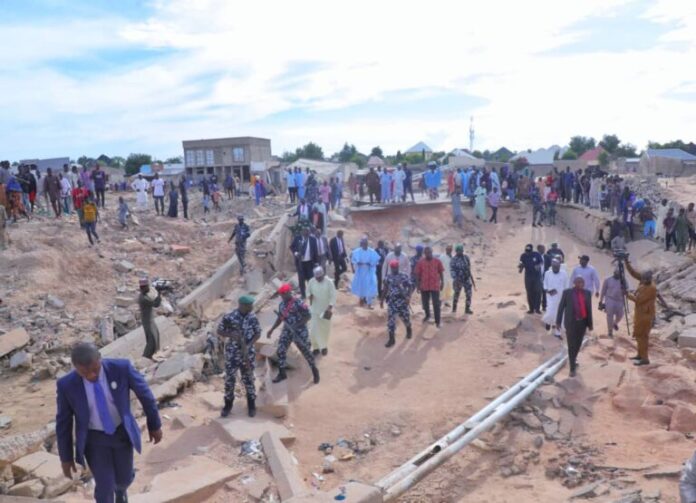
115 77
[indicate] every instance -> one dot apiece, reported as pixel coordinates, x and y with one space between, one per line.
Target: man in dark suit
305 250
95 397
303 211
575 310
339 256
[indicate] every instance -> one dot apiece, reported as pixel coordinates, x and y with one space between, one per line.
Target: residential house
667 162
541 161
224 156
375 162
461 158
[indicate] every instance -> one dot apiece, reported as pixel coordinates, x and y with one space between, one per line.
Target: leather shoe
638 363
121 497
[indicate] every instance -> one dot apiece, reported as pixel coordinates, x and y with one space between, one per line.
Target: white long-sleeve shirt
589 274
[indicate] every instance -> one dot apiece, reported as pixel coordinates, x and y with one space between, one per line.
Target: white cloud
226 68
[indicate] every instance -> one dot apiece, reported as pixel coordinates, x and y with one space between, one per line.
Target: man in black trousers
338 255
305 250
575 310
532 263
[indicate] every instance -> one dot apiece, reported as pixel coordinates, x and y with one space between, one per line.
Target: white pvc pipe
397 489
440 445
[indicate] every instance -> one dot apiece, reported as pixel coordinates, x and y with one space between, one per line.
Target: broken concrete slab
13 340
178 363
123 266
173 386
256 488
687 339
131 345
17 446
287 478
254 280
46 467
106 330
243 428
124 301
211 399
194 482
273 397
182 421
21 359
33 488
664 471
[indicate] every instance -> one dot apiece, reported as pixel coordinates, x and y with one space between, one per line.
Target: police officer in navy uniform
397 289
241 329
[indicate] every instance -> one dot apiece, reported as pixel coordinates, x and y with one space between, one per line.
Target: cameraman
146 304
644 314
611 300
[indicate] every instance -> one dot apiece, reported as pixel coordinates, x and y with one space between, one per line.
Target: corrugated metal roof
671 153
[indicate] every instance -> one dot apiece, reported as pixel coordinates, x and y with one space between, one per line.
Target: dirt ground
399 399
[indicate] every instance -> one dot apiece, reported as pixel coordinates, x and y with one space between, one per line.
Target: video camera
163 285
620 254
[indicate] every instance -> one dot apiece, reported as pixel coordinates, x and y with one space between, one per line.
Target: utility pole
471 134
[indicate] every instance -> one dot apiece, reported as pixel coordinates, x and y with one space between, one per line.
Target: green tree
477 154
399 155
134 161
610 142
174 160
288 156
581 144
556 155
347 152
84 160
359 159
117 162
625 150
310 151
377 151
604 158
569 155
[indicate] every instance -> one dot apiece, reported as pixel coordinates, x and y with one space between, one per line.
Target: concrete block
12 340
254 280
33 488
123 266
287 478
178 363
687 339
195 482
173 386
17 446
21 359
124 300
182 421
46 467
131 345
242 428
273 397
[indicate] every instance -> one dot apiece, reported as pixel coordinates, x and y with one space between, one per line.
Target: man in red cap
397 289
295 315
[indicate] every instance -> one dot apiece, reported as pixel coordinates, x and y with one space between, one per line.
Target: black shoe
121 497
315 374
281 376
537 312
637 358
572 373
251 406
226 409
316 352
616 327
548 327
409 332
468 311
638 363
324 352
390 342
531 311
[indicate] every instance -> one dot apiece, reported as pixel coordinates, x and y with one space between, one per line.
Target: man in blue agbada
364 262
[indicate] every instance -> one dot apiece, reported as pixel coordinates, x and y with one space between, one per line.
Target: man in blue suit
96 398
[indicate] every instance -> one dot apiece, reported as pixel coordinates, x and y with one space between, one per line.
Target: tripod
624 286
